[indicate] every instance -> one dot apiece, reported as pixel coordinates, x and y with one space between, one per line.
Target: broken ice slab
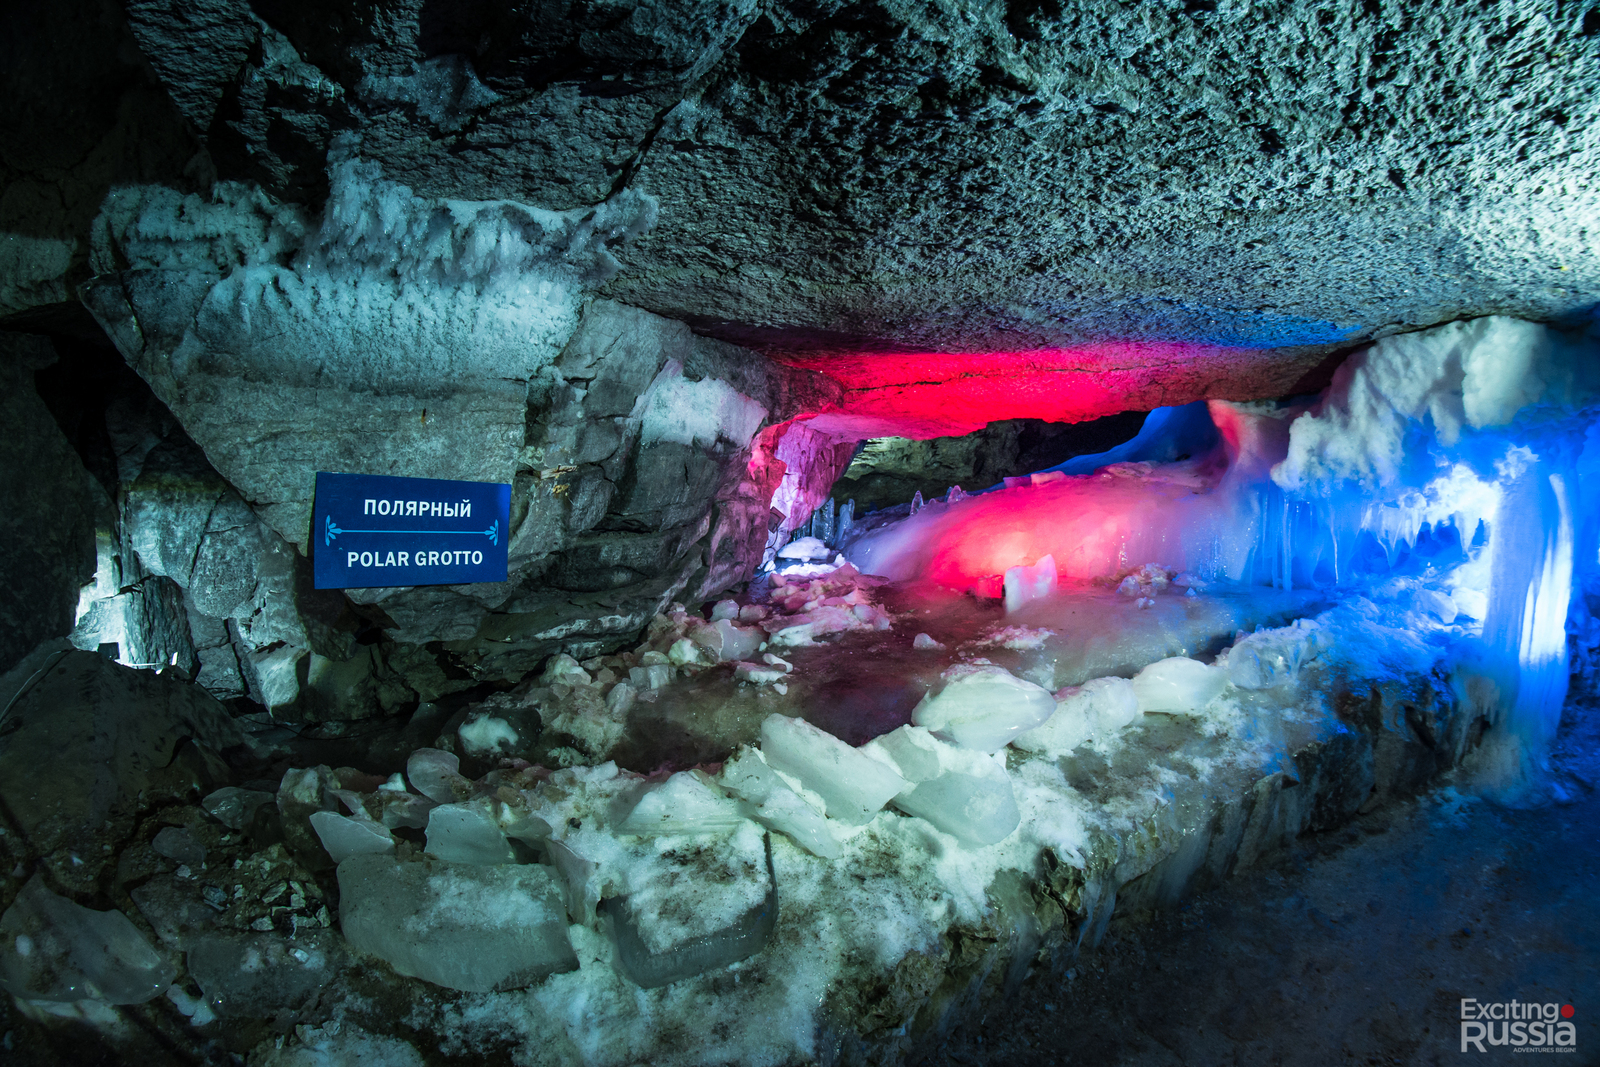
965 793
578 882
985 709
854 787
54 949
651 966
1178 686
256 977
977 811
683 804
1095 710
770 801
234 807
758 673
470 928
467 833
436 774
344 837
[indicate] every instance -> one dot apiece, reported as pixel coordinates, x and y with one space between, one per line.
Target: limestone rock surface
85 740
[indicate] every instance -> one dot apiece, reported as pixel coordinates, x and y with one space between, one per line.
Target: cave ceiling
1160 200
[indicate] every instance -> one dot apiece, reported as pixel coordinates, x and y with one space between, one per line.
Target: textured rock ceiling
1262 182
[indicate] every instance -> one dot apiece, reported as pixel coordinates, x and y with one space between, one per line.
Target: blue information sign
371 530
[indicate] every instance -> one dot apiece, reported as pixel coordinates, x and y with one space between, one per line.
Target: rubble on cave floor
678 852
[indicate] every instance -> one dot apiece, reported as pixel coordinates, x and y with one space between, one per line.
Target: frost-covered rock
1178 686
344 837
1095 710
854 787
54 949
468 834
985 709
487 735
686 803
652 676
656 946
806 549
563 669
471 928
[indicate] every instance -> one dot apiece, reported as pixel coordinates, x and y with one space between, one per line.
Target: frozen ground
1356 948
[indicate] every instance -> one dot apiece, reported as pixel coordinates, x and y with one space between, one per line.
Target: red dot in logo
1566 1011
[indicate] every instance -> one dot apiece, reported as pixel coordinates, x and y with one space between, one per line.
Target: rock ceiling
1237 188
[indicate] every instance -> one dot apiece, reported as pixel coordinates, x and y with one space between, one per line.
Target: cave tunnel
790 533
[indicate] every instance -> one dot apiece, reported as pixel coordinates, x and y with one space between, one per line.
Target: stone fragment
259 976
302 791
178 844
470 928
87 738
234 807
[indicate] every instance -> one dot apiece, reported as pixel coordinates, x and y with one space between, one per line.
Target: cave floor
1357 946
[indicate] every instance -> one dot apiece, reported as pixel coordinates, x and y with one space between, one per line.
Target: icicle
829 513
955 495
847 517
916 502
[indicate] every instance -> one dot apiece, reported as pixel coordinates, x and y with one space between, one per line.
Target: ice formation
985 709
467 927
1459 459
